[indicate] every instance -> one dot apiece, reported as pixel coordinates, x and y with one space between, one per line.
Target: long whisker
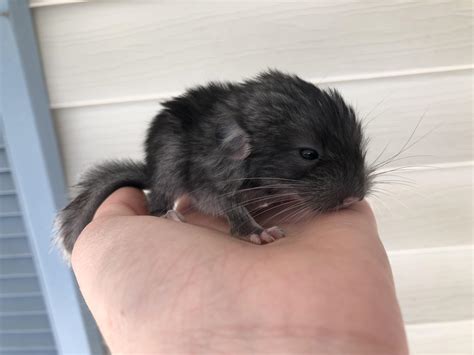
286 186
424 135
381 165
373 109
402 149
270 198
394 182
264 178
297 183
231 193
285 210
274 198
394 198
266 210
382 204
309 213
291 217
366 124
400 168
393 175
380 155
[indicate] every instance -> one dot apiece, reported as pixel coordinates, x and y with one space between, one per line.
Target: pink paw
268 235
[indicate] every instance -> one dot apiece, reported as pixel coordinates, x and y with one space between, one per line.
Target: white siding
109 63
155 47
441 338
392 108
434 285
434 210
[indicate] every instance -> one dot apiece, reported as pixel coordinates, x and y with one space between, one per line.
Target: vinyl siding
396 61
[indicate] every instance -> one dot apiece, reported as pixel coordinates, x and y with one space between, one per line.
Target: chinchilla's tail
94 187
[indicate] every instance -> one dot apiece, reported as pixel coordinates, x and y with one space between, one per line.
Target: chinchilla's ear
233 140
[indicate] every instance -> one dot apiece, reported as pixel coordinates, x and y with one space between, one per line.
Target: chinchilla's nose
349 201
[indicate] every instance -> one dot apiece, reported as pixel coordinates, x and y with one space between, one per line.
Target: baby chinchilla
275 139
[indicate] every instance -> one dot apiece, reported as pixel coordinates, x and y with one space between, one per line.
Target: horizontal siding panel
147 48
39 3
435 211
392 107
441 338
90 134
434 285
22 304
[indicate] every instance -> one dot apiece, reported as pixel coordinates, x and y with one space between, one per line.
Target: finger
126 201
91 253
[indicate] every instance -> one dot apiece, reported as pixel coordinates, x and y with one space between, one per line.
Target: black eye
309 154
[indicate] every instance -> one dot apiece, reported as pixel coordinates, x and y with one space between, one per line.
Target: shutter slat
9 203
23 322
9 266
19 285
21 304
9 246
12 224
28 352
6 181
7 192
3 159
12 235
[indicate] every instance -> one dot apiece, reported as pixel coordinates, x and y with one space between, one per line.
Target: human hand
160 286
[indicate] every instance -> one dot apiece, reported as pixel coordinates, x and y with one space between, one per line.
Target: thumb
87 257
127 201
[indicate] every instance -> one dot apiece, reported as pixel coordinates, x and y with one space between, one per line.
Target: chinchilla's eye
309 154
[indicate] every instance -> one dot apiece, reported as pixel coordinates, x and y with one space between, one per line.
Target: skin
159 286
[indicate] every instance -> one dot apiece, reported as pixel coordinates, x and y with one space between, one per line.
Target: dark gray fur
226 144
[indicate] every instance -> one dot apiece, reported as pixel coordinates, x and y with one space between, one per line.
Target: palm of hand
162 286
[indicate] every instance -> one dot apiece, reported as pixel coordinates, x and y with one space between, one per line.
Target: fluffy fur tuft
93 189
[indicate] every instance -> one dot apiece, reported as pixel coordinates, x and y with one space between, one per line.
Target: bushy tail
94 187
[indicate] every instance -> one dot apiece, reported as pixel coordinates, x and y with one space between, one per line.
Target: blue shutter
40 308
24 322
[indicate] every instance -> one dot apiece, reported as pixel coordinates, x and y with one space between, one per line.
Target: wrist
255 341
